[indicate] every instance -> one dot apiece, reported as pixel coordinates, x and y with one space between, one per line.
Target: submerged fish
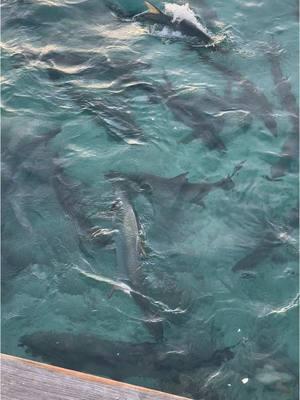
19 244
120 359
15 157
70 195
290 149
270 240
205 126
250 98
177 187
128 250
117 120
65 64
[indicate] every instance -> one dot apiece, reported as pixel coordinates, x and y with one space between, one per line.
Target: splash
184 12
165 33
100 278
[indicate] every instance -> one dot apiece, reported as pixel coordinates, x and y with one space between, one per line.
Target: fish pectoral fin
111 292
104 237
152 9
181 178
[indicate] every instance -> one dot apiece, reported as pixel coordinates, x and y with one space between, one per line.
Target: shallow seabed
85 91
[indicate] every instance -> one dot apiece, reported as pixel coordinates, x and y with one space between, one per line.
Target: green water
59 58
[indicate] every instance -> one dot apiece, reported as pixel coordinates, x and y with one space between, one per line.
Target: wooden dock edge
23 379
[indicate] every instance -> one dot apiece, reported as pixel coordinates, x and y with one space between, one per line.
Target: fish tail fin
187 139
152 9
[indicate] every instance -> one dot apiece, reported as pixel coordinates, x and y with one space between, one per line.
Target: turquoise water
87 90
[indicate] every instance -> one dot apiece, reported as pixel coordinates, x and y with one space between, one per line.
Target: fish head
226 184
271 124
44 344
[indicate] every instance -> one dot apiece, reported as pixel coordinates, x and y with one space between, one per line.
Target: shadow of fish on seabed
119 359
271 239
289 154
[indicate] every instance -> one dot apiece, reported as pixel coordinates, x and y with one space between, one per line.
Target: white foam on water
100 278
183 12
165 32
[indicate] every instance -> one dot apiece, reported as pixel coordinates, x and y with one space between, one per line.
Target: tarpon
66 64
177 187
128 251
119 359
250 98
117 120
205 126
290 150
69 194
187 27
15 157
19 247
271 239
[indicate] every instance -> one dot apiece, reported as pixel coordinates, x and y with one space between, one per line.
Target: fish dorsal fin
152 9
181 178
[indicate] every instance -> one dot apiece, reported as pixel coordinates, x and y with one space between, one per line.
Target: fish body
290 150
127 239
177 187
269 241
118 121
250 98
128 251
205 126
120 359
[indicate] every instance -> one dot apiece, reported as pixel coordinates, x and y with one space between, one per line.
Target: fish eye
145 187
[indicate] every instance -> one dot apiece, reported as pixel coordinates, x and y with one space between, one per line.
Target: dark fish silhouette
177 187
251 98
68 65
205 126
117 120
18 244
121 360
290 149
154 15
70 196
270 240
13 158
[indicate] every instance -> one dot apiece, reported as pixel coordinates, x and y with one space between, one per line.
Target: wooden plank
23 379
